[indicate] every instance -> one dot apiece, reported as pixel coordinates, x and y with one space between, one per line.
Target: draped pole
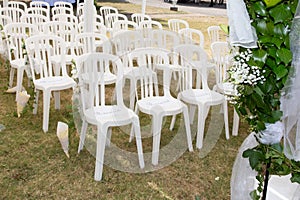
144 7
88 15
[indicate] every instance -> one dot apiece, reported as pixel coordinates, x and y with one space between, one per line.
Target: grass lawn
33 165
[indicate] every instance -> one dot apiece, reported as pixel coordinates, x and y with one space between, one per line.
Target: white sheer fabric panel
241 32
290 104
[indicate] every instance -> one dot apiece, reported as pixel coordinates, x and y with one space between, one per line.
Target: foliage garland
259 101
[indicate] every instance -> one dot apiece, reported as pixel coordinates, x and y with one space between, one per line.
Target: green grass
33 165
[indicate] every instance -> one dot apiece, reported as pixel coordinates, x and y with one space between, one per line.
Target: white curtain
241 32
290 104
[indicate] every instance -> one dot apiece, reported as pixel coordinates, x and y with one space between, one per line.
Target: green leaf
285 55
280 72
261 27
276 114
255 157
277 147
281 13
276 41
271 3
260 8
295 178
260 55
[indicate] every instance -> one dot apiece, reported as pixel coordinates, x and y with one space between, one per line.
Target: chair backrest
36 19
42 4
92 42
105 10
92 68
17 4
64 30
139 17
62 10
192 36
126 41
4 19
213 33
39 49
177 24
16 34
123 25
146 59
98 28
165 39
39 11
110 19
14 13
63 4
67 18
150 24
221 57
192 57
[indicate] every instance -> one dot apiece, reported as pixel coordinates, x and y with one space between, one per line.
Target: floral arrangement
258 75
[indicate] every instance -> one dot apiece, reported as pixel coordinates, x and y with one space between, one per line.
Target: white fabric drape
88 13
241 32
290 104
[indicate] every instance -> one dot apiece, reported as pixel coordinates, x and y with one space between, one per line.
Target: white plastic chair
41 4
4 20
177 24
36 19
139 17
14 13
66 31
222 59
97 112
46 76
16 34
192 36
158 106
98 28
123 25
62 10
17 4
124 42
91 43
110 19
203 98
213 33
105 10
39 10
63 4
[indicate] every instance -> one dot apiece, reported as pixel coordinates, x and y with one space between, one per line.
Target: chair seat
207 97
107 114
161 104
54 83
18 63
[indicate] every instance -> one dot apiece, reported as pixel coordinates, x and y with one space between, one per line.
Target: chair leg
132 128
82 135
57 99
11 76
225 109
36 101
236 120
101 138
156 127
192 113
108 138
137 132
132 94
202 110
187 128
20 73
46 109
